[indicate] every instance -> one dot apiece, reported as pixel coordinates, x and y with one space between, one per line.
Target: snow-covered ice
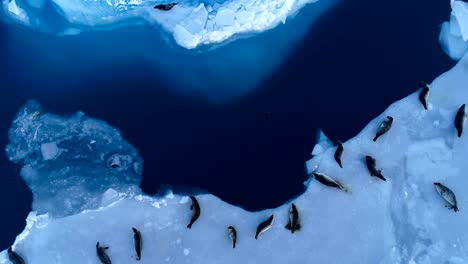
402 220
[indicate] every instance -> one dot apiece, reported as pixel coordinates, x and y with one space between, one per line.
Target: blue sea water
250 151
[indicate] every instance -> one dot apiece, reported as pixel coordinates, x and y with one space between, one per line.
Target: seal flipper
288 226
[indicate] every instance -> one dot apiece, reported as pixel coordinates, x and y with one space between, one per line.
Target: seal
384 127
264 226
165 7
102 255
14 257
195 207
424 94
294 223
460 119
339 153
328 181
372 167
233 235
138 242
447 194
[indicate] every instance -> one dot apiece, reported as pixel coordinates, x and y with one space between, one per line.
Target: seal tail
189 226
340 185
459 132
375 138
339 163
455 208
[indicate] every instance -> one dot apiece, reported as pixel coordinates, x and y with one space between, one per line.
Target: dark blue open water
359 58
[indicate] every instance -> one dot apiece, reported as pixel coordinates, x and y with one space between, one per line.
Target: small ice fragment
49 150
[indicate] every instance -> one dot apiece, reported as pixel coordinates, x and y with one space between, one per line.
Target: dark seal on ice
233 235
293 223
14 257
264 226
339 153
138 242
195 207
165 7
384 127
372 167
460 119
424 94
328 181
102 255
448 195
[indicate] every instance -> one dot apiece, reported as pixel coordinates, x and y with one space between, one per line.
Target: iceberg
85 167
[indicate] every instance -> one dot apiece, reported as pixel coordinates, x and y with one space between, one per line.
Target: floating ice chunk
62 169
460 11
49 150
451 39
323 143
454 34
16 12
